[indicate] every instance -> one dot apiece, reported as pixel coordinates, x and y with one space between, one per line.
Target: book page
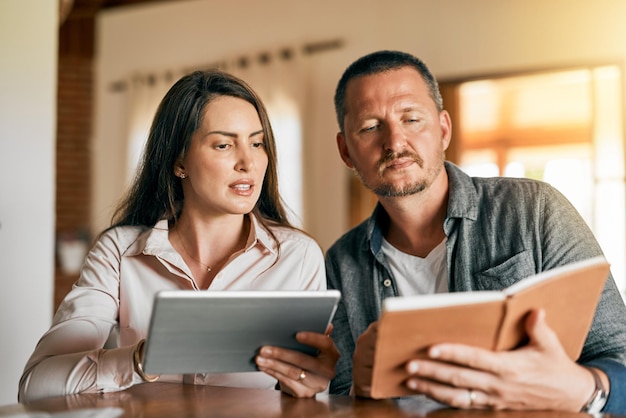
404 303
552 274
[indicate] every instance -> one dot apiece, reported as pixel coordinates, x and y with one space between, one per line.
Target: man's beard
386 189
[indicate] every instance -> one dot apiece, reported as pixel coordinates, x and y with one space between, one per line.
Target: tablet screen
222 331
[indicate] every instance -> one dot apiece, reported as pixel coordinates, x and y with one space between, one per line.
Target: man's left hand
536 376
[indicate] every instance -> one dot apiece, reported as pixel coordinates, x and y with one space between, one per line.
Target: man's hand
538 375
299 374
363 360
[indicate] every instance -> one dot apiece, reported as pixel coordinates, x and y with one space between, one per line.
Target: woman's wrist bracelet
139 367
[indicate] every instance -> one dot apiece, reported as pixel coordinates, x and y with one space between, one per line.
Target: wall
455 37
28 47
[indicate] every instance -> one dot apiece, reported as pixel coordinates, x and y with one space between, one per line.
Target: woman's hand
299 374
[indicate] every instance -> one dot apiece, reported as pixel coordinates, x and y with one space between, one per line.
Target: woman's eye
222 146
258 144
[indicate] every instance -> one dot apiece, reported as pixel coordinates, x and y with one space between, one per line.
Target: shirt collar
375 225
462 195
157 238
260 235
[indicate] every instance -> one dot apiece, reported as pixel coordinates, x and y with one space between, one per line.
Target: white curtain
144 95
281 81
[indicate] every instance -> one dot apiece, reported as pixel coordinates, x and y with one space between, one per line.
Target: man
435 229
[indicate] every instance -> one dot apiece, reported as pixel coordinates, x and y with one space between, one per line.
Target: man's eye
414 120
370 128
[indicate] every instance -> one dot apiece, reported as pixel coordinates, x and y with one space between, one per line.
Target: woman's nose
245 162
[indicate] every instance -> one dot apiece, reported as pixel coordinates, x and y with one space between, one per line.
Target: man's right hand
363 362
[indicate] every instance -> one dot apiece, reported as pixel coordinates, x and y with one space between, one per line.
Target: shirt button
387 283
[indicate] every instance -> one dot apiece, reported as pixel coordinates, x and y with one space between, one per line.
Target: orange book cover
489 319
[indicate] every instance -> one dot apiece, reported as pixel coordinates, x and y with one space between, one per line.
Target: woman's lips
243 189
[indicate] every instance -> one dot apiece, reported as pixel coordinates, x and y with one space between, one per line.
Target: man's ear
343 150
446 129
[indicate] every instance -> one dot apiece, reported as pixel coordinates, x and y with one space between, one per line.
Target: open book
488 319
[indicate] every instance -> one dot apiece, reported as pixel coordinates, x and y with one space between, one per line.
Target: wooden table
179 401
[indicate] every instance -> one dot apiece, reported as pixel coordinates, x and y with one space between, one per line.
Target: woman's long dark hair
156 192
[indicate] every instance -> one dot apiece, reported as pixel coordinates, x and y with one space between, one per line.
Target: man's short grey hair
379 62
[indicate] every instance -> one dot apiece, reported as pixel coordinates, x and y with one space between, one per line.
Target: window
562 127
285 120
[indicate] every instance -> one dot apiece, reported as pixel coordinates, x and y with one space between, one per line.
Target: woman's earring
182 175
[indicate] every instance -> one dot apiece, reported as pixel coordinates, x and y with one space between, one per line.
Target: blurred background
535 89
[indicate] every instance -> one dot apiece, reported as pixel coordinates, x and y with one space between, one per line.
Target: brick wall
74 129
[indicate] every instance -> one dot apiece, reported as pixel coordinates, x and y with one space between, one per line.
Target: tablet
222 331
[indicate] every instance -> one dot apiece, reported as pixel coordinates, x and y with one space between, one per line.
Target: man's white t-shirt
416 275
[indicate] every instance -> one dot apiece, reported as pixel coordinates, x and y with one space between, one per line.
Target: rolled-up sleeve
71 356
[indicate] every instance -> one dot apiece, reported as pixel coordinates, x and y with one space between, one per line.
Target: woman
203 213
